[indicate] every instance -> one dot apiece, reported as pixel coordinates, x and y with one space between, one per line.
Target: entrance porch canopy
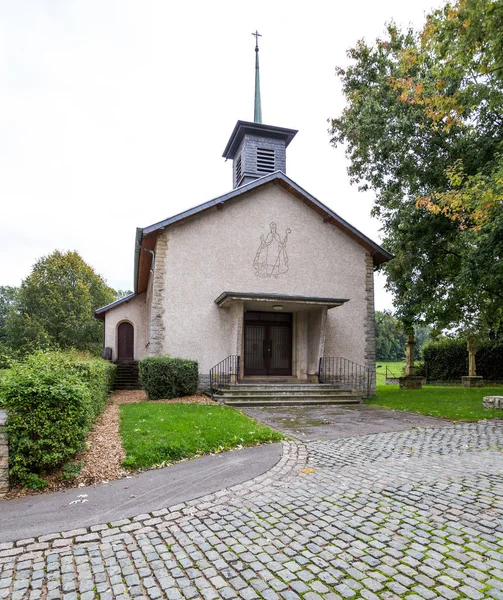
288 302
307 332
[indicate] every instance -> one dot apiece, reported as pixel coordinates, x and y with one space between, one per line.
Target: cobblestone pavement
414 514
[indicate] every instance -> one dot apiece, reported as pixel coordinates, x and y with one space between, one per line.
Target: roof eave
379 254
214 202
104 309
243 127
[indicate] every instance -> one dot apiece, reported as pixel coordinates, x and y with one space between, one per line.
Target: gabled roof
379 255
104 309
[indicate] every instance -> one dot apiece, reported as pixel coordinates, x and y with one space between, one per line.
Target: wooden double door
268 343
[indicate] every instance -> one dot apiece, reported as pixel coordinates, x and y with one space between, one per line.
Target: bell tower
254 148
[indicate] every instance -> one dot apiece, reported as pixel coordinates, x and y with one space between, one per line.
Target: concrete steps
247 394
127 376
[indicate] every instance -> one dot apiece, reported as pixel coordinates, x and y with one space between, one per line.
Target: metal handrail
339 371
226 372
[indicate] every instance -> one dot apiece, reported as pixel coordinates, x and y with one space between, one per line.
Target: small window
265 160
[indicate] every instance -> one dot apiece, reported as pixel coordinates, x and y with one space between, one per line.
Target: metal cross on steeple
257 113
257 35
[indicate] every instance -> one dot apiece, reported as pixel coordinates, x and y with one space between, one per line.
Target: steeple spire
257 150
257 113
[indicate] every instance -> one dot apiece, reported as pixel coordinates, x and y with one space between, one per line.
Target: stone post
4 456
471 380
410 342
410 381
472 350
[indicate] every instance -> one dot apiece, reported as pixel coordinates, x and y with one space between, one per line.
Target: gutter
138 248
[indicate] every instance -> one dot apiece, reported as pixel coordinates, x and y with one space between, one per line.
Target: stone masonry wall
370 331
4 456
157 325
204 382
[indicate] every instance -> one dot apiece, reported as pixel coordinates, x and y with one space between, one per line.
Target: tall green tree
423 129
55 304
390 337
7 297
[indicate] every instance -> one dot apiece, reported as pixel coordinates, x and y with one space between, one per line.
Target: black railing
346 373
226 372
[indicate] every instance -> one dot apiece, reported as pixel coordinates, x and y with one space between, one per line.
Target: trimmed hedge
166 377
52 400
447 360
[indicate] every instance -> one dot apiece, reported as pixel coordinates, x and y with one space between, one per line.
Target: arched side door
125 342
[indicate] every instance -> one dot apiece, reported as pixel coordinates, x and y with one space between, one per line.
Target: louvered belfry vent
265 160
257 150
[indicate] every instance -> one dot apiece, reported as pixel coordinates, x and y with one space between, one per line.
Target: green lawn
154 434
395 369
456 403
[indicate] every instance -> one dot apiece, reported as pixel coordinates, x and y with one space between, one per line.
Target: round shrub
52 400
166 377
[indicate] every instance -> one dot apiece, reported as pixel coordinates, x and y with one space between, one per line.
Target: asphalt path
33 516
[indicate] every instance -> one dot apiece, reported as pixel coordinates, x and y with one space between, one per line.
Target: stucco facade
213 281
133 311
198 259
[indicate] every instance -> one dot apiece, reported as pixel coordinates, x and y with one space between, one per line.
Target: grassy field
154 434
455 403
395 369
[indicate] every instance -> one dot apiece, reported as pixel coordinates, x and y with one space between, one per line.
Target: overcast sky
115 114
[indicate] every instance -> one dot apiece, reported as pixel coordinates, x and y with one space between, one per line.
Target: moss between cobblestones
156 434
455 403
370 522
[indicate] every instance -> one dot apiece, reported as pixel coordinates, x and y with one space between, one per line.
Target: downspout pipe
138 248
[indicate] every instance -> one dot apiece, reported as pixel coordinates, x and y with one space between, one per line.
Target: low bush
447 360
52 400
166 377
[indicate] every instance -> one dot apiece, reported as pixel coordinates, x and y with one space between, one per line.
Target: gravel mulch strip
104 453
132 396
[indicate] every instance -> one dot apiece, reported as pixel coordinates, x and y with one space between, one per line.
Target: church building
264 283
